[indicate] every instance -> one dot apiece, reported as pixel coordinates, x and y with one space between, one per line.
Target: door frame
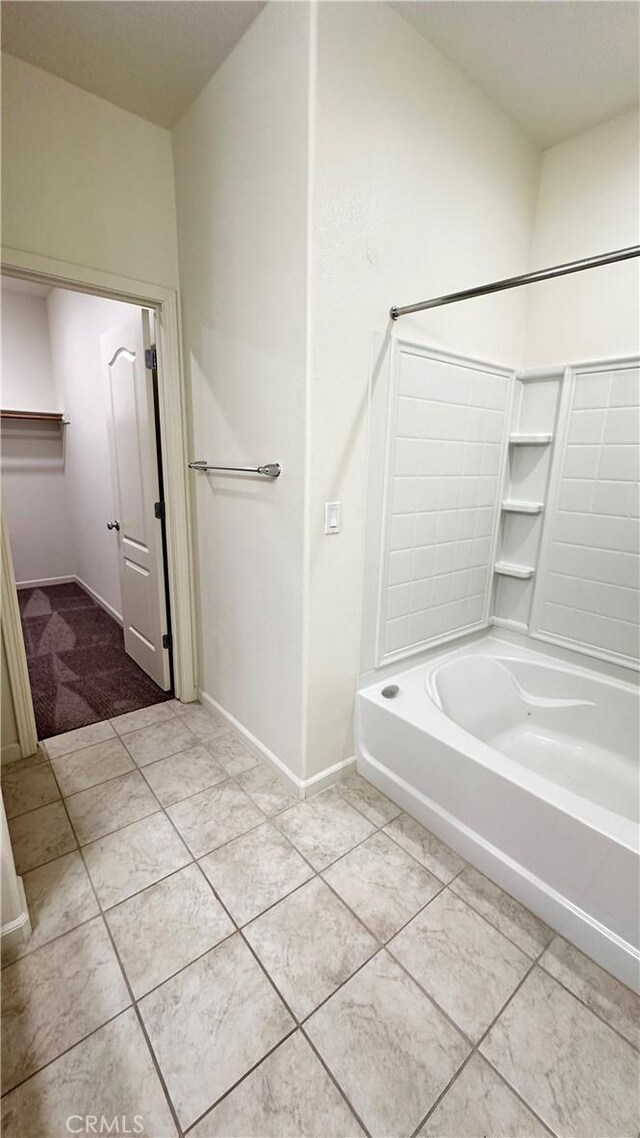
173 429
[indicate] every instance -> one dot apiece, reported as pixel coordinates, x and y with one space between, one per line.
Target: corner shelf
510 506
530 440
507 569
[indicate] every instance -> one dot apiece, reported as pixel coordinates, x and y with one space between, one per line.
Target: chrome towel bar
269 470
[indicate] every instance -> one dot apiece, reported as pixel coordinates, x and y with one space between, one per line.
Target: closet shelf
35 416
530 440
507 569
513 507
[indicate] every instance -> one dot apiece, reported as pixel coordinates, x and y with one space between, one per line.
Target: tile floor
211 956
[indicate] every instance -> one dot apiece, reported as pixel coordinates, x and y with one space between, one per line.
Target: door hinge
158 510
167 641
151 358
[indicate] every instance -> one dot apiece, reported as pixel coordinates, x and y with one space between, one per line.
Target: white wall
33 483
421 186
240 157
83 181
76 323
588 204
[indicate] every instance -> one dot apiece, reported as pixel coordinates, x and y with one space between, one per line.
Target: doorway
95 516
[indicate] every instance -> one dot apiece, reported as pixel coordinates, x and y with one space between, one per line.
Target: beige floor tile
309 943
267 789
574 1071
215 816
143 717
55 996
425 847
367 799
26 785
228 750
59 897
323 828
254 871
210 1024
479 1103
600 991
40 835
159 741
289 1094
110 1074
205 724
184 774
167 926
81 737
468 967
383 884
87 767
508 915
129 860
110 806
390 1049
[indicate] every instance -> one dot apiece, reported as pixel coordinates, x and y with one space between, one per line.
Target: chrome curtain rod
524 279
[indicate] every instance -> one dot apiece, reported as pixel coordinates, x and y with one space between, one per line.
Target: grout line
335 1082
130 991
298 1024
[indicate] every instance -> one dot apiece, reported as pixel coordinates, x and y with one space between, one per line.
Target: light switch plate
332 517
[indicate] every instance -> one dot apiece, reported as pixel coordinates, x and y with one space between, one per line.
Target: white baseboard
16 932
42 584
10 752
73 579
305 788
99 600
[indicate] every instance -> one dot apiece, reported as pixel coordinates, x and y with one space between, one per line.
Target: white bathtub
527 765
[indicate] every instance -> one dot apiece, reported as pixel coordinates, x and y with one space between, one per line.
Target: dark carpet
79 670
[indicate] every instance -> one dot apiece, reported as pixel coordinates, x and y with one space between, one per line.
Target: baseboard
305 788
99 600
10 752
16 932
42 584
73 578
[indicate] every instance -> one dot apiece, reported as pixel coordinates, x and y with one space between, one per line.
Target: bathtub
525 763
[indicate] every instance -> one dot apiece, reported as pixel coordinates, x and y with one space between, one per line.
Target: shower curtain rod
515 282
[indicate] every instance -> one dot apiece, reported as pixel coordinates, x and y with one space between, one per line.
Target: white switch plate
332 517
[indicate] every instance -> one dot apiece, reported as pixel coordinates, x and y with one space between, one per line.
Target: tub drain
391 691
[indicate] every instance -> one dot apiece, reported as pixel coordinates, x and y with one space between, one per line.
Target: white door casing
136 490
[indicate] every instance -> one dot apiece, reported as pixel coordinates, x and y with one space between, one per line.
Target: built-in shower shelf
512 507
530 440
508 569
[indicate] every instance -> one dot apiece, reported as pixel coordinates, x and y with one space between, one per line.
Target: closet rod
524 279
42 416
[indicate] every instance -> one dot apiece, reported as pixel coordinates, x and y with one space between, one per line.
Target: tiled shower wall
587 590
447 441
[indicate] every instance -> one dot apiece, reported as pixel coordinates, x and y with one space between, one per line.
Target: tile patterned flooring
219 959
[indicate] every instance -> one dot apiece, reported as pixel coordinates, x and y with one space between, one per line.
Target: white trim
304 787
9 753
16 932
99 600
44 582
16 657
173 425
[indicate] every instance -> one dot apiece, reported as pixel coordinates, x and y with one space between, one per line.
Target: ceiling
557 67
149 58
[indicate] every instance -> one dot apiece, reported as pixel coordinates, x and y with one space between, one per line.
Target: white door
136 490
